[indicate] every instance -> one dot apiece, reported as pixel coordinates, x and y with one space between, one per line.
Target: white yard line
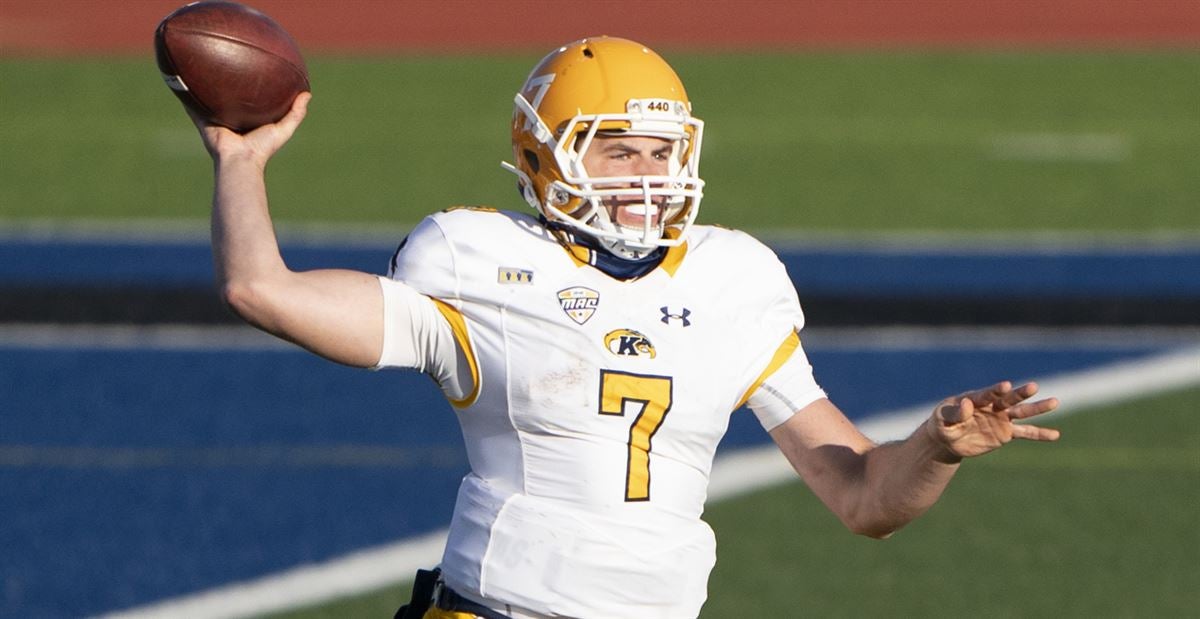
733 474
752 469
306 585
1069 147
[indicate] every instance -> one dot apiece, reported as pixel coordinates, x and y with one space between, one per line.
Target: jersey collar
585 251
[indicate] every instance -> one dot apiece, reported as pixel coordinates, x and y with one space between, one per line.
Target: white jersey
591 407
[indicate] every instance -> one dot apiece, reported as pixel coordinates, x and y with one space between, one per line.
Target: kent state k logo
629 343
682 317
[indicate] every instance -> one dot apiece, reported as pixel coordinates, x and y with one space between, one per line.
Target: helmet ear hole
532 159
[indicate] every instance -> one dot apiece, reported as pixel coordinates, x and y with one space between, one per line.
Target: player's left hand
977 422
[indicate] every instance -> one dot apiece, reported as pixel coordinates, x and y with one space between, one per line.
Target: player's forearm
334 313
245 253
901 481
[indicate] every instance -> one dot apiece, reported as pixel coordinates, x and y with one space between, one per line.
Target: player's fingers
990 395
202 125
299 108
1018 395
301 103
955 412
196 120
1034 433
212 135
288 124
1031 409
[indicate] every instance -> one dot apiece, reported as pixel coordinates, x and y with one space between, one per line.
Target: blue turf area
131 475
1134 270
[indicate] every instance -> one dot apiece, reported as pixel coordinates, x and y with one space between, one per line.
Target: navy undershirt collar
609 263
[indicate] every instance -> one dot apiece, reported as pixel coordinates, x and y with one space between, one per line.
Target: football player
593 349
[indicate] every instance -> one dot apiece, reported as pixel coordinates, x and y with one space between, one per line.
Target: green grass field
1102 524
947 141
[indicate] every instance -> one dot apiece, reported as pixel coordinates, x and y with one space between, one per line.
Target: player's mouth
633 213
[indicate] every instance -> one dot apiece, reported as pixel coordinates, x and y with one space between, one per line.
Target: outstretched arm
877 489
337 314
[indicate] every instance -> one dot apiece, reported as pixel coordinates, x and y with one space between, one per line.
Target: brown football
229 63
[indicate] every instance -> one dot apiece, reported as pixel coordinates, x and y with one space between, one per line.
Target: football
230 64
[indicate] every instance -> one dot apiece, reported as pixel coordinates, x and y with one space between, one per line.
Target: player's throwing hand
977 422
259 144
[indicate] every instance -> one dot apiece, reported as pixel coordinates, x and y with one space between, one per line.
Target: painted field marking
352 574
733 475
752 469
1080 147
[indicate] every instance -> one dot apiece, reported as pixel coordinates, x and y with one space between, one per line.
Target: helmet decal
542 84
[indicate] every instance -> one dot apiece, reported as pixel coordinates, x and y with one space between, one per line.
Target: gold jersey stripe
674 258
581 255
785 350
458 325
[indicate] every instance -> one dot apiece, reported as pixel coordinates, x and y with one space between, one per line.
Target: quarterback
593 349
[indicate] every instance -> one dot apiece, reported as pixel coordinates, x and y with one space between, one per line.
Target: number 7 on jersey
653 395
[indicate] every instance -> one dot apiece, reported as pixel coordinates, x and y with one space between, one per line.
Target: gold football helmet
606 86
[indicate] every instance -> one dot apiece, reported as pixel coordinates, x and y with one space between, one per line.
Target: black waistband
449 599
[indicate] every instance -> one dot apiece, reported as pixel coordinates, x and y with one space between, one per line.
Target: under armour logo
668 316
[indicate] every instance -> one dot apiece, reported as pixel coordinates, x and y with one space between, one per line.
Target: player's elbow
236 295
248 299
873 530
874 522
